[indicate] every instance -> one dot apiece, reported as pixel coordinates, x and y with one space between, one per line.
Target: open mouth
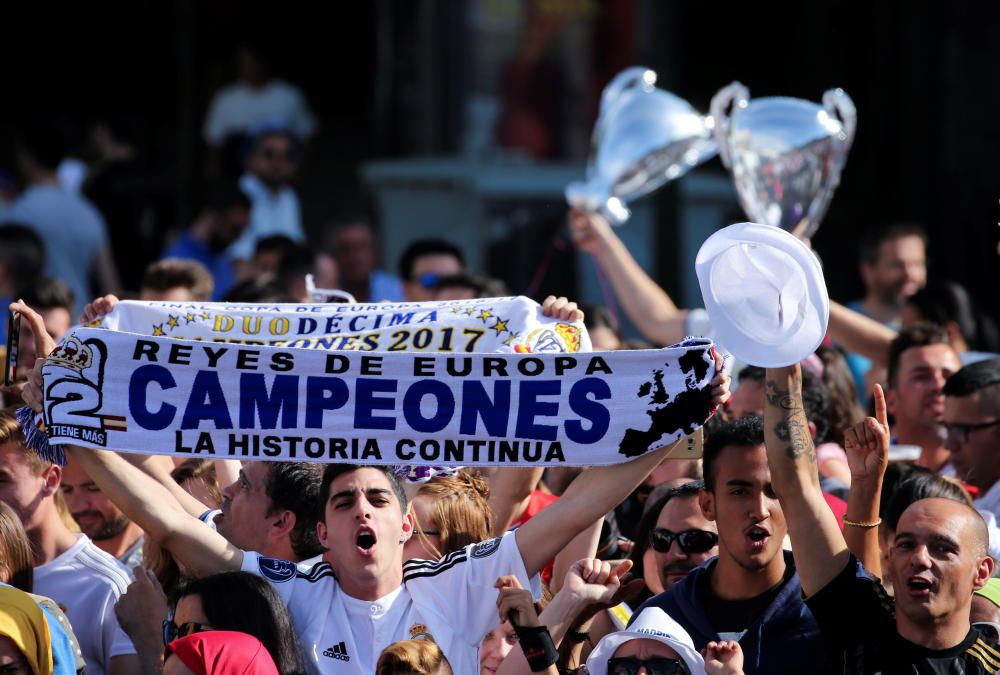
919 586
365 540
758 536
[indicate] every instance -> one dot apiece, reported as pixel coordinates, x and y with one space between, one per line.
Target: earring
402 538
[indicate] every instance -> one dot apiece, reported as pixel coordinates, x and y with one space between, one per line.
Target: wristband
537 645
863 526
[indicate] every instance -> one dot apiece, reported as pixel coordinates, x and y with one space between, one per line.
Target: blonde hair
413 657
17 562
459 509
10 432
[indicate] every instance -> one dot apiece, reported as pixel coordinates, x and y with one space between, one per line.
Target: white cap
765 294
652 624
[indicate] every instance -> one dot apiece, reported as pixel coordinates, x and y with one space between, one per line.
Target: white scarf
195 398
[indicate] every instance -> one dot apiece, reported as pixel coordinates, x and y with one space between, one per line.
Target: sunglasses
656 666
429 280
960 432
171 631
690 541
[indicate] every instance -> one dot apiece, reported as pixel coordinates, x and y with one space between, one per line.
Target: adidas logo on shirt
338 651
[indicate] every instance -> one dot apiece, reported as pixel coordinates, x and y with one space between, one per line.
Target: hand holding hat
765 294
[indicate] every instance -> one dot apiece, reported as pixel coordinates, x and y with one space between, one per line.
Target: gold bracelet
863 526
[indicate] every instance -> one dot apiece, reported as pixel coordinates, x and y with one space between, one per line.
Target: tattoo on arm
793 427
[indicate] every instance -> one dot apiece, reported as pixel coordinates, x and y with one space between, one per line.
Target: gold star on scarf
470 311
190 318
457 310
158 330
173 321
206 316
509 340
500 326
485 314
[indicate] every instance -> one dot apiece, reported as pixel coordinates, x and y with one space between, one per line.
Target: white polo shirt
453 600
88 582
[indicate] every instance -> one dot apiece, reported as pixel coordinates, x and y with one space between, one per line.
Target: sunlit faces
916 398
96 515
663 570
973 450
246 508
936 560
745 507
364 529
495 647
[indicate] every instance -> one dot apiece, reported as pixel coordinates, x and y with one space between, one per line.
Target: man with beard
920 361
972 420
936 561
893 267
105 524
221 221
750 593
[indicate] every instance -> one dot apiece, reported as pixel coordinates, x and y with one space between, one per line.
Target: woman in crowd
198 477
230 601
25 645
449 512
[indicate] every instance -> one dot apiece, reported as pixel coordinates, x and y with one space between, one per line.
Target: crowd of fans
808 538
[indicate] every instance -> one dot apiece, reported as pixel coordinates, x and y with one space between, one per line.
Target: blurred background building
466 119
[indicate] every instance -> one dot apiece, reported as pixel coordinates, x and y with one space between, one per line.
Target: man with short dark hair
936 561
222 219
920 361
271 163
893 267
75 235
424 263
352 247
972 420
750 593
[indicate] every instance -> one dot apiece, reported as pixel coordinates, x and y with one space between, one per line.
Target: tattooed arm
817 543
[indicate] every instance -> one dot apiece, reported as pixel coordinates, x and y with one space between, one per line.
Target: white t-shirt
87 582
239 108
452 599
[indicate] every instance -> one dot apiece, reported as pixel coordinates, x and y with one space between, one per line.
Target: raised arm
857 333
594 492
867 445
200 549
817 543
510 490
646 304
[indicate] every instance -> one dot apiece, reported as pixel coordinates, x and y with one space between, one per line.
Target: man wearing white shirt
270 167
972 419
68 567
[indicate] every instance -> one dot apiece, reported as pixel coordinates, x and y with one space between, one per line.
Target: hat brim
597 662
738 339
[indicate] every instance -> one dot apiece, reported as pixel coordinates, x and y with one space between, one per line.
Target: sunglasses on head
690 541
171 631
656 666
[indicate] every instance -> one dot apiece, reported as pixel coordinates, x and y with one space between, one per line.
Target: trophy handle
733 93
837 103
627 79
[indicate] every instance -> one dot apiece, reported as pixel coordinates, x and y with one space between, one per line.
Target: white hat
652 624
764 292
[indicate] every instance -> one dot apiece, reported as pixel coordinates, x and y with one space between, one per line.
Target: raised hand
720 383
867 442
561 308
589 230
98 307
32 389
515 603
723 658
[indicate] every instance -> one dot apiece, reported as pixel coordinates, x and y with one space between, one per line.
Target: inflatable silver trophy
785 154
643 138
